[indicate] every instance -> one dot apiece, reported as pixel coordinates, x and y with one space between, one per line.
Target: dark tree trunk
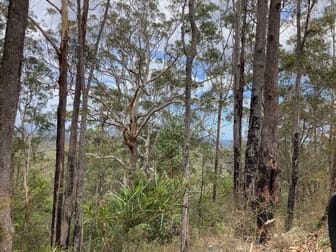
238 101
219 119
57 211
295 138
296 115
256 110
82 21
268 174
9 96
77 239
190 52
72 153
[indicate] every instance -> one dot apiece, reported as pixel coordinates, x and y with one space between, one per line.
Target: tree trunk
72 160
256 110
219 119
296 118
238 101
77 240
57 211
268 176
190 52
296 115
82 21
9 96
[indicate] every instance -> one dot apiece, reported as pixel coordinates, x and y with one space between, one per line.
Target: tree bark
72 153
57 210
268 175
82 21
256 110
296 118
190 52
9 95
219 119
332 154
77 240
296 115
238 101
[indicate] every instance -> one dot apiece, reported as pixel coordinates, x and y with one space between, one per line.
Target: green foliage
150 209
40 191
168 149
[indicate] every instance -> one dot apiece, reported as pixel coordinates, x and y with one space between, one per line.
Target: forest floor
295 240
292 241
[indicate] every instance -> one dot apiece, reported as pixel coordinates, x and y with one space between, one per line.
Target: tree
268 174
9 95
70 179
32 122
300 42
256 110
140 59
190 52
62 52
238 99
84 113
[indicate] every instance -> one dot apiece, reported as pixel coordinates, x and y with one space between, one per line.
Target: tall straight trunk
72 153
57 210
332 130
77 237
256 109
82 21
300 42
268 174
332 154
219 119
296 118
238 100
10 73
190 52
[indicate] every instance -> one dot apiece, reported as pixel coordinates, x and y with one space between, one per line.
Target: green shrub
149 209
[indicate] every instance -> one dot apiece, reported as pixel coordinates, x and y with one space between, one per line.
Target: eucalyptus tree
78 238
190 52
268 174
62 53
238 94
316 109
214 34
300 43
68 196
256 108
33 121
135 58
9 95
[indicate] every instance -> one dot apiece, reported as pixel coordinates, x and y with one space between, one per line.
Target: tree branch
114 158
164 71
153 111
45 34
55 6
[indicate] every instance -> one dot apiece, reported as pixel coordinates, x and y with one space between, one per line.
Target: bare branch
164 71
54 5
152 112
45 34
114 158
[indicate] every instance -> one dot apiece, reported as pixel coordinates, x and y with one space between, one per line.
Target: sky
47 21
